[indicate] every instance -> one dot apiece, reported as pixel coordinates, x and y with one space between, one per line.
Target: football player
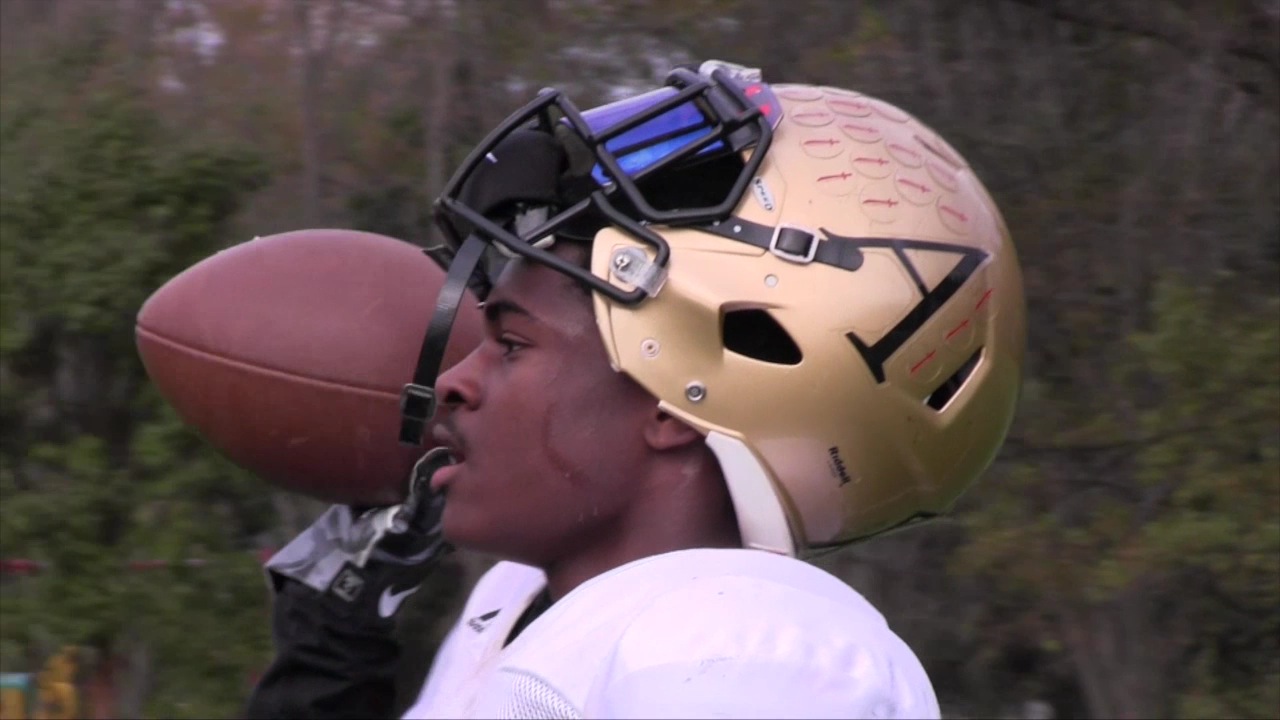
728 325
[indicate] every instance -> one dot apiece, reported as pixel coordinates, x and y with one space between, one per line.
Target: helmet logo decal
838 467
762 194
931 299
916 368
838 176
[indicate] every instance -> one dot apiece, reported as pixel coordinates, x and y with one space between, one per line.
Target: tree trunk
315 34
437 102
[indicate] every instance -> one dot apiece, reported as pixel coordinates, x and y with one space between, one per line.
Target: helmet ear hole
756 334
939 398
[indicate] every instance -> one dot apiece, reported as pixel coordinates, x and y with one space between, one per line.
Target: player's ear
664 431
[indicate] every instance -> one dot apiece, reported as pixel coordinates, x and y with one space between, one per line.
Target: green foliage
100 205
1219 453
90 231
1198 524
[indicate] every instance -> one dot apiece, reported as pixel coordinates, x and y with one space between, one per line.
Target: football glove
364 562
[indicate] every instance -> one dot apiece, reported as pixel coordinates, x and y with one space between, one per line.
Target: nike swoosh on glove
365 563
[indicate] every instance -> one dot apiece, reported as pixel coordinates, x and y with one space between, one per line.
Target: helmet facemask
551 171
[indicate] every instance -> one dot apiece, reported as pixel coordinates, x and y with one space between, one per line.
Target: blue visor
666 134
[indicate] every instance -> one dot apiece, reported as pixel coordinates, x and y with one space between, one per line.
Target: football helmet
811 277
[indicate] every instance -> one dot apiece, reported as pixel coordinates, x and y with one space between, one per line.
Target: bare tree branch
1268 57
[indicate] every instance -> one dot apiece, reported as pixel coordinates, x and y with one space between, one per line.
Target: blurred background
1122 557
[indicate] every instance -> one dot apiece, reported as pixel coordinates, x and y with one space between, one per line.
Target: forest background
1121 558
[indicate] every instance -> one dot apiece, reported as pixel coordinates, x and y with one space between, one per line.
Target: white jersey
695 633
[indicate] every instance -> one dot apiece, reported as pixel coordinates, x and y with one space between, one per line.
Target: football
287 353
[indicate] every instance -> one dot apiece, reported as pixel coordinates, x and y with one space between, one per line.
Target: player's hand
365 562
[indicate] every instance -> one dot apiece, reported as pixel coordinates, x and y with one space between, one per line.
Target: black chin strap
418 398
795 244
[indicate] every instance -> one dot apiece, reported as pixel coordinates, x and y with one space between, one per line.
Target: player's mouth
451 441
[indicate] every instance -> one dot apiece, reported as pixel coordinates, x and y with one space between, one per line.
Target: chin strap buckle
794 244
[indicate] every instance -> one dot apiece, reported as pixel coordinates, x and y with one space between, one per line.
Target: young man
741 323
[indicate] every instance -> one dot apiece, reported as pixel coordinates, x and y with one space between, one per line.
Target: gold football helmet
811 277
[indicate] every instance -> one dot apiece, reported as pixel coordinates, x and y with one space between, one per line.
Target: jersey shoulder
747 633
495 604
504 585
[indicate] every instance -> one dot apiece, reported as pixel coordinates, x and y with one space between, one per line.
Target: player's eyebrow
494 310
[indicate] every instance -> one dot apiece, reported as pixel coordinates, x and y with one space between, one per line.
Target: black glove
337 588
366 562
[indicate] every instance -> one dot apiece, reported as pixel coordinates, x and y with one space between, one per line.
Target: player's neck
680 512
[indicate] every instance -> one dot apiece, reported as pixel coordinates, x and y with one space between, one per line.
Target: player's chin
465 526
461 525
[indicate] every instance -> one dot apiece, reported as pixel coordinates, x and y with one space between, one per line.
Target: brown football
288 353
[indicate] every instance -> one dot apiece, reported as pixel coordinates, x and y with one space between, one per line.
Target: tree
101 204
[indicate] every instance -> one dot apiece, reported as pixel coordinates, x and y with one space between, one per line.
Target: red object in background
288 354
24 566
20 566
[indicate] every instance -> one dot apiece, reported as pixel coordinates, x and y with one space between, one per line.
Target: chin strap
795 244
418 398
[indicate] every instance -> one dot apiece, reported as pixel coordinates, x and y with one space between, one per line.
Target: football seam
157 337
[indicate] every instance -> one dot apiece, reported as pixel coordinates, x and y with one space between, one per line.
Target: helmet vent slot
942 395
757 335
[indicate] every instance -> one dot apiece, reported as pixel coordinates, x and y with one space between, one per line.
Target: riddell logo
763 196
837 466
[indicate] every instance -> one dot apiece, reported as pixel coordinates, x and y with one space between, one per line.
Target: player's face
549 435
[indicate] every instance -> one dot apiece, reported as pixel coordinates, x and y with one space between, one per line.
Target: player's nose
459 386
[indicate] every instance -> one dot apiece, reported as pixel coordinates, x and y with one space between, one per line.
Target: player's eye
509 345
